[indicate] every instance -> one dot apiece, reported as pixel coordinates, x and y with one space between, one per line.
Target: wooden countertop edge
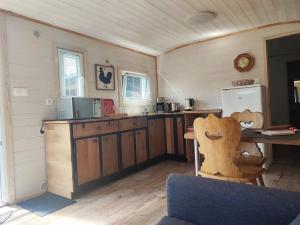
110 118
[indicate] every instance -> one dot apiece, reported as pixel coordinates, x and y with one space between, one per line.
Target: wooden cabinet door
170 139
88 160
156 137
109 147
180 136
127 146
141 145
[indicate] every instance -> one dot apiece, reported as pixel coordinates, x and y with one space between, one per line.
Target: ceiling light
201 17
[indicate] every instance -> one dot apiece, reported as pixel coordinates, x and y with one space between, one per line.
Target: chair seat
250 173
220 177
249 160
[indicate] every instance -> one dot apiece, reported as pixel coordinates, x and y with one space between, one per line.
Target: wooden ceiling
154 26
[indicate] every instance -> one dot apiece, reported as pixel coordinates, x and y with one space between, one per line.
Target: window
71 78
135 86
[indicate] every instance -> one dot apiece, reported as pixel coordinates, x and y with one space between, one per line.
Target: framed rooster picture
105 77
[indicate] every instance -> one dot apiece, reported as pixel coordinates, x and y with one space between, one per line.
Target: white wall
32 65
200 70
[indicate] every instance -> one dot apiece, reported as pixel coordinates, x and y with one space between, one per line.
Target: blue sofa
202 201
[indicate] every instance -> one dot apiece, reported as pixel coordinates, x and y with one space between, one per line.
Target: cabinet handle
138 133
95 140
98 128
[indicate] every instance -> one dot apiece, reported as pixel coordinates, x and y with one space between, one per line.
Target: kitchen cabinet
141 145
86 153
156 135
88 160
127 149
180 135
170 136
174 129
110 159
96 128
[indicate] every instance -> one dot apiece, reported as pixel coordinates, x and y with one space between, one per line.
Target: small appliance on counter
160 105
108 107
79 108
189 103
173 107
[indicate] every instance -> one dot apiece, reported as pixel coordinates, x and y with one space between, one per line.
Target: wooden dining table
249 136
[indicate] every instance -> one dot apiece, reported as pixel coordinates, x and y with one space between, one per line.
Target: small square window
70 73
135 86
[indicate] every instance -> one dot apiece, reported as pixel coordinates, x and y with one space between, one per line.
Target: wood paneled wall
32 65
201 70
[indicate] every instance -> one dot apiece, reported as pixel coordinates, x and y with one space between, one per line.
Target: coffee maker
189 103
160 105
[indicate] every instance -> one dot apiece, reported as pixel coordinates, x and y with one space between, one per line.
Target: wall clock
244 62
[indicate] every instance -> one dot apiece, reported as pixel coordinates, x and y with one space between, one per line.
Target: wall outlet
49 101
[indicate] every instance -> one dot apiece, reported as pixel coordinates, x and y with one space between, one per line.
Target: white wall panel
32 65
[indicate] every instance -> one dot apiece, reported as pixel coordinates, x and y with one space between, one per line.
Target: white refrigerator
238 99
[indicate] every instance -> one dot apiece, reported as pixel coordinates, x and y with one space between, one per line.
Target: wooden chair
250 152
219 140
249 120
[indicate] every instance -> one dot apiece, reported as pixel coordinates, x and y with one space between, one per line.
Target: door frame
266 82
266 78
7 157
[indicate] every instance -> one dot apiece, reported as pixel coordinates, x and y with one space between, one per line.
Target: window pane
71 73
135 86
70 65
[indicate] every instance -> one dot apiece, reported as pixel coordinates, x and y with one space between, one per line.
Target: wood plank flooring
139 199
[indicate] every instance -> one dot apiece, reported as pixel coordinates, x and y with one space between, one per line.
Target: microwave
79 108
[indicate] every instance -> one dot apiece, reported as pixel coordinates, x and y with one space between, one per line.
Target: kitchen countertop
119 117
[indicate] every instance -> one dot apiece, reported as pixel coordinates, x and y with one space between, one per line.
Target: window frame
124 85
82 54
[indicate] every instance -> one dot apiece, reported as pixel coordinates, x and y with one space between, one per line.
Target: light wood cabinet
127 149
133 123
88 160
141 145
109 147
157 142
94 128
89 152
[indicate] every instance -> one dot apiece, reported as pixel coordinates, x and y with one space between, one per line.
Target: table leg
196 157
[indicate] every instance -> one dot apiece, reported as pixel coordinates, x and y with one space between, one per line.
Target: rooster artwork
105 77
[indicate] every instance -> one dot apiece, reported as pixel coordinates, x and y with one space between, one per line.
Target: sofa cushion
296 221
166 220
213 202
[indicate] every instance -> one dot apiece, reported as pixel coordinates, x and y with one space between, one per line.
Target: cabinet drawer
129 124
90 129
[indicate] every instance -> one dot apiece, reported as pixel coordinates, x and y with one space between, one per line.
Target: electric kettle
189 103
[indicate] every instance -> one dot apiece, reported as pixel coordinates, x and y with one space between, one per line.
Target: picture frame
105 77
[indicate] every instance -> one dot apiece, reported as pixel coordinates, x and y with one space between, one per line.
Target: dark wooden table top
249 135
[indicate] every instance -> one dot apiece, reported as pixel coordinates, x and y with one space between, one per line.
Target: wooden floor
139 199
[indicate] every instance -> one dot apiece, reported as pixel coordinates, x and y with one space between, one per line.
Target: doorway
284 87
293 76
